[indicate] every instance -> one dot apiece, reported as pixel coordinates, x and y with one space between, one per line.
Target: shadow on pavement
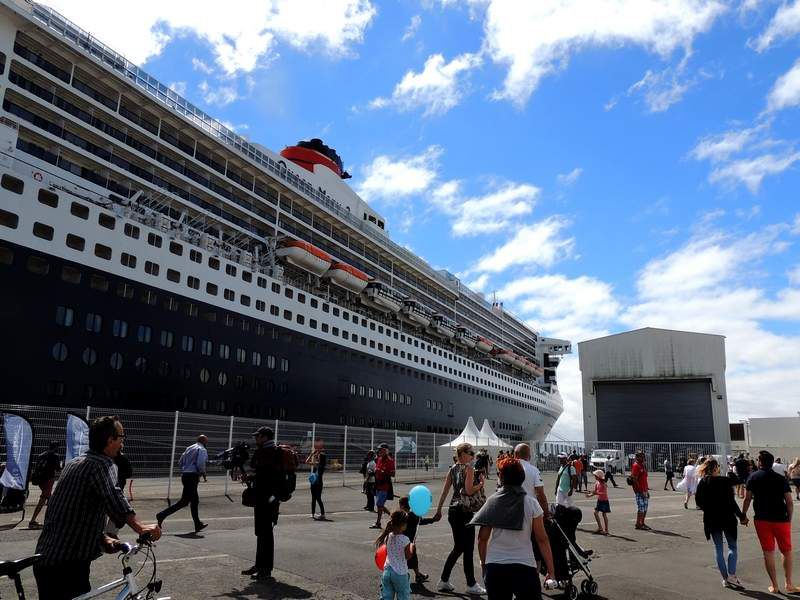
758 595
669 533
271 589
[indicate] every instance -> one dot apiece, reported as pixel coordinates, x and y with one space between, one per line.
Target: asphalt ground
334 560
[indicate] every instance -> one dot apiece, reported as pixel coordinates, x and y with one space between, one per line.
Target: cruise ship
152 258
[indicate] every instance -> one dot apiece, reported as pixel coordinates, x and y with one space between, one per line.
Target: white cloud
239 32
568 179
794 276
796 226
784 24
179 87
785 93
392 178
751 172
479 283
412 28
202 66
535 39
220 95
490 213
718 147
538 244
661 89
437 88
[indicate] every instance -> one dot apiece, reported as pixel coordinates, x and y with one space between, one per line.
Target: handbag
312 477
249 496
466 502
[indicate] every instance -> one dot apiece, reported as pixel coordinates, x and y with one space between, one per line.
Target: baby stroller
568 557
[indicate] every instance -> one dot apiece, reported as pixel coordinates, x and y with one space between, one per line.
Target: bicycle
129 589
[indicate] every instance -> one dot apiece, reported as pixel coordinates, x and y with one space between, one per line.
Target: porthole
116 361
204 375
60 351
89 356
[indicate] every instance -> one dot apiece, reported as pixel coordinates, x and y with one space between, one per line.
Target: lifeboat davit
416 314
382 297
348 277
443 327
484 345
465 337
305 256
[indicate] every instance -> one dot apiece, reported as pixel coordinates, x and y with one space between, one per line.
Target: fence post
671 458
276 432
416 453
435 455
172 455
230 444
372 438
88 411
344 459
394 445
313 436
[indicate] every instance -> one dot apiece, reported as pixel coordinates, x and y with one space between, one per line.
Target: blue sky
600 165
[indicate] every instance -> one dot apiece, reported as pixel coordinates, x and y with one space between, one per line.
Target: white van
610 457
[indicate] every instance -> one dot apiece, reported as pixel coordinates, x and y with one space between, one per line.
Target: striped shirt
76 514
193 459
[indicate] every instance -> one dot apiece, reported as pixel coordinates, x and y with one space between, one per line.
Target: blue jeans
394 585
730 537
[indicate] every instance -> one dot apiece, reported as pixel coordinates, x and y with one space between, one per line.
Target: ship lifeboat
465 337
416 314
505 356
305 256
518 361
382 297
528 367
348 277
484 345
443 327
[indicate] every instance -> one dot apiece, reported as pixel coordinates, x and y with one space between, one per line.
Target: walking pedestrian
369 480
384 491
584 459
266 468
742 467
603 506
773 518
467 498
72 534
47 466
427 463
794 476
641 490
566 482
318 460
193 467
669 473
412 525
578 466
533 483
715 497
609 474
779 467
508 521
395 581
689 482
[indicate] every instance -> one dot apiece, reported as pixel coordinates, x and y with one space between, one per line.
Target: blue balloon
420 500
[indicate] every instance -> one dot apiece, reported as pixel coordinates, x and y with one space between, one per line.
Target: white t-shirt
533 478
396 553
507 546
779 468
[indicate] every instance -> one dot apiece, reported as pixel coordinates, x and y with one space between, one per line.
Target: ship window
211 288
79 210
301 319
335 331
241 355
206 347
262 306
190 309
361 390
60 351
372 326
8 219
301 298
247 276
48 198
173 275
262 283
64 316
131 231
213 263
176 248
289 293
195 256
89 356
6 254
193 282
75 242
229 295
43 231
274 310
94 322
164 368
210 316
276 288
345 335
285 365
154 240
314 303
325 328
116 361
128 260
287 314
245 300
102 251
230 270
205 375
12 184
312 323
166 339
255 359
222 378
106 221
119 329
325 307
187 343
38 265
224 351
171 304
270 361
125 290
151 268
144 333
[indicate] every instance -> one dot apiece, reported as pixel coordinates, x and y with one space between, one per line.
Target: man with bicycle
73 531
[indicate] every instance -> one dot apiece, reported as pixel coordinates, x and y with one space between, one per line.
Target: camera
234 459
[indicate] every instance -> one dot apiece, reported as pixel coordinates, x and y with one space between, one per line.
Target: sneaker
251 571
476 590
199 527
726 583
34 525
445 586
421 578
734 581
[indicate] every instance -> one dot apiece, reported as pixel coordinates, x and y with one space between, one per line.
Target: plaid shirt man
76 516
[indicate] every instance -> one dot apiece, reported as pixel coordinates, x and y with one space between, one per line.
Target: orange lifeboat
505 356
305 256
348 277
484 345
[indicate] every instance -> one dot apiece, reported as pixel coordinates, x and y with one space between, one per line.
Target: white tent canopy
483 438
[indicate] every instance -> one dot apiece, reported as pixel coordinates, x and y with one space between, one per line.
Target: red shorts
771 531
47 488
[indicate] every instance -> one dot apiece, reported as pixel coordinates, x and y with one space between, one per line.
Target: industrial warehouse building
654 385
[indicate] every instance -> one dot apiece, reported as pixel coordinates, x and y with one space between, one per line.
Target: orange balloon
380 557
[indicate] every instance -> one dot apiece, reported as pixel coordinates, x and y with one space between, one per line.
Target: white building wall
652 354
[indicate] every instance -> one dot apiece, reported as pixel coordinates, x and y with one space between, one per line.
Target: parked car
607 456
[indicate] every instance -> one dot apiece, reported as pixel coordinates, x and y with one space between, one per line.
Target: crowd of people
510 525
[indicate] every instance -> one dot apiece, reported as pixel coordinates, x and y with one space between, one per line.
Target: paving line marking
204 557
250 517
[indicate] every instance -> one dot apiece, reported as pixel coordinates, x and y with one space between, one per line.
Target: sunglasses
123 436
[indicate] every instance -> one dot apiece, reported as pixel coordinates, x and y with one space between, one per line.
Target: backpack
39 473
286 478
